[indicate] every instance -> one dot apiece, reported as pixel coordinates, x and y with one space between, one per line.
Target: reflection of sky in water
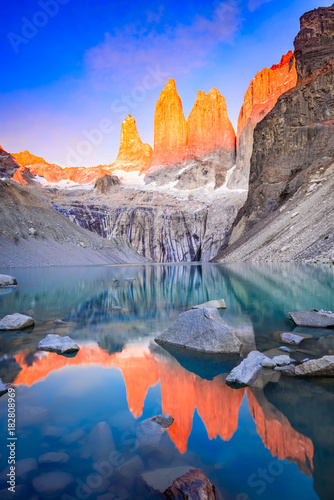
269 443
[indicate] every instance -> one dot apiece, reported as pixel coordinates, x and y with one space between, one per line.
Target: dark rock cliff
295 141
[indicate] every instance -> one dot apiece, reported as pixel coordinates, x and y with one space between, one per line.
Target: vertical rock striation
260 98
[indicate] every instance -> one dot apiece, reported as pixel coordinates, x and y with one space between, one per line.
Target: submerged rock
322 367
291 338
201 330
215 304
100 441
249 369
53 458
312 318
52 483
6 280
55 343
16 321
164 420
194 484
285 349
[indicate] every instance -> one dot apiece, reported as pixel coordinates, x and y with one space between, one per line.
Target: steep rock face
314 42
156 225
132 154
209 127
170 128
8 165
294 144
261 96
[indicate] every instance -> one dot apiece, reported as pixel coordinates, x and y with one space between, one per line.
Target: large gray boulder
322 367
313 319
55 343
249 369
16 321
201 330
6 280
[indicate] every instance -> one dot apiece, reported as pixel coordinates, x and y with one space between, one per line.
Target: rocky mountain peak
170 128
209 127
314 44
132 154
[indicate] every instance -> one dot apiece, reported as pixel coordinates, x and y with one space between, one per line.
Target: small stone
52 483
282 360
55 343
268 363
164 420
6 280
291 338
16 321
59 322
53 458
190 484
285 349
32 231
286 369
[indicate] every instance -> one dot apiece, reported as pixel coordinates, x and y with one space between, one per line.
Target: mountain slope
34 234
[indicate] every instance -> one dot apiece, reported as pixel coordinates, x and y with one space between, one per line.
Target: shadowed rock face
296 138
315 42
8 165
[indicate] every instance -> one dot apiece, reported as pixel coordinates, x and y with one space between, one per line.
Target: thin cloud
120 60
255 4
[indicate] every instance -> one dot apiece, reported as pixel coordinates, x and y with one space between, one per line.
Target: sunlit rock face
209 127
260 98
278 435
133 154
170 128
31 165
36 165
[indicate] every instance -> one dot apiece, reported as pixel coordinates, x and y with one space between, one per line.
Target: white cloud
120 60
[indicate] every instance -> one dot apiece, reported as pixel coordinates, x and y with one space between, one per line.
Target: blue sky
73 69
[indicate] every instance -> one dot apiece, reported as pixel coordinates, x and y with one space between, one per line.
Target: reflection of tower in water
181 392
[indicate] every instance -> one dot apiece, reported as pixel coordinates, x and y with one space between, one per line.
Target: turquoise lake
270 442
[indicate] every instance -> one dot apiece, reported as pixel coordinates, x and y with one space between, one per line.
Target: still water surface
266 443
